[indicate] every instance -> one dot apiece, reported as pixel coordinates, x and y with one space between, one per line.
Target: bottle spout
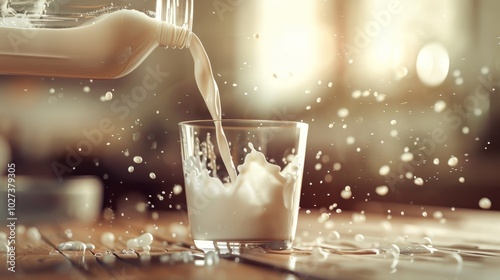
175 37
176 19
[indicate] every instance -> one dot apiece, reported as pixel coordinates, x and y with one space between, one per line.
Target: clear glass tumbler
258 209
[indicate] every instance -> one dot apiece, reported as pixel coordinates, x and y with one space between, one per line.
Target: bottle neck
172 36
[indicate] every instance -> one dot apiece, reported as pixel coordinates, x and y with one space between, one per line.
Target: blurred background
402 98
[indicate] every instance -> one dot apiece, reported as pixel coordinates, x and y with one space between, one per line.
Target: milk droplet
72 246
152 175
384 170
418 181
379 96
461 180
140 242
436 161
128 252
138 159
318 166
177 189
346 193
485 203
453 161
382 190
90 246
333 236
394 133
427 241
439 106
108 238
356 94
323 217
131 169
108 96
359 237
407 157
337 166
343 112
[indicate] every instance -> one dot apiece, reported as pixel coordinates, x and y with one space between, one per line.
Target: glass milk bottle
97 39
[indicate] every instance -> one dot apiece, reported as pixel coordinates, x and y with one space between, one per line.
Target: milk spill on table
75 246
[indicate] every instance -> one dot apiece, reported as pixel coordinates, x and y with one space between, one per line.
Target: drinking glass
257 208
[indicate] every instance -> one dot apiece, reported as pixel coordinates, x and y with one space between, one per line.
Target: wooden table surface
377 243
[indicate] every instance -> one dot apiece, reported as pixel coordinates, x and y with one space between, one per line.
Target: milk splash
260 204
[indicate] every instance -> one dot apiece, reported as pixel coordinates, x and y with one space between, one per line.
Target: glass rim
232 123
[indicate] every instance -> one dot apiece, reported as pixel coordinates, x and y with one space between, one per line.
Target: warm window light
289 43
387 55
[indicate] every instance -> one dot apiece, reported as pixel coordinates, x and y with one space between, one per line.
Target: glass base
239 247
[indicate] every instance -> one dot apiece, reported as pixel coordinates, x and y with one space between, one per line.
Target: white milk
259 205
210 92
109 46
144 241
